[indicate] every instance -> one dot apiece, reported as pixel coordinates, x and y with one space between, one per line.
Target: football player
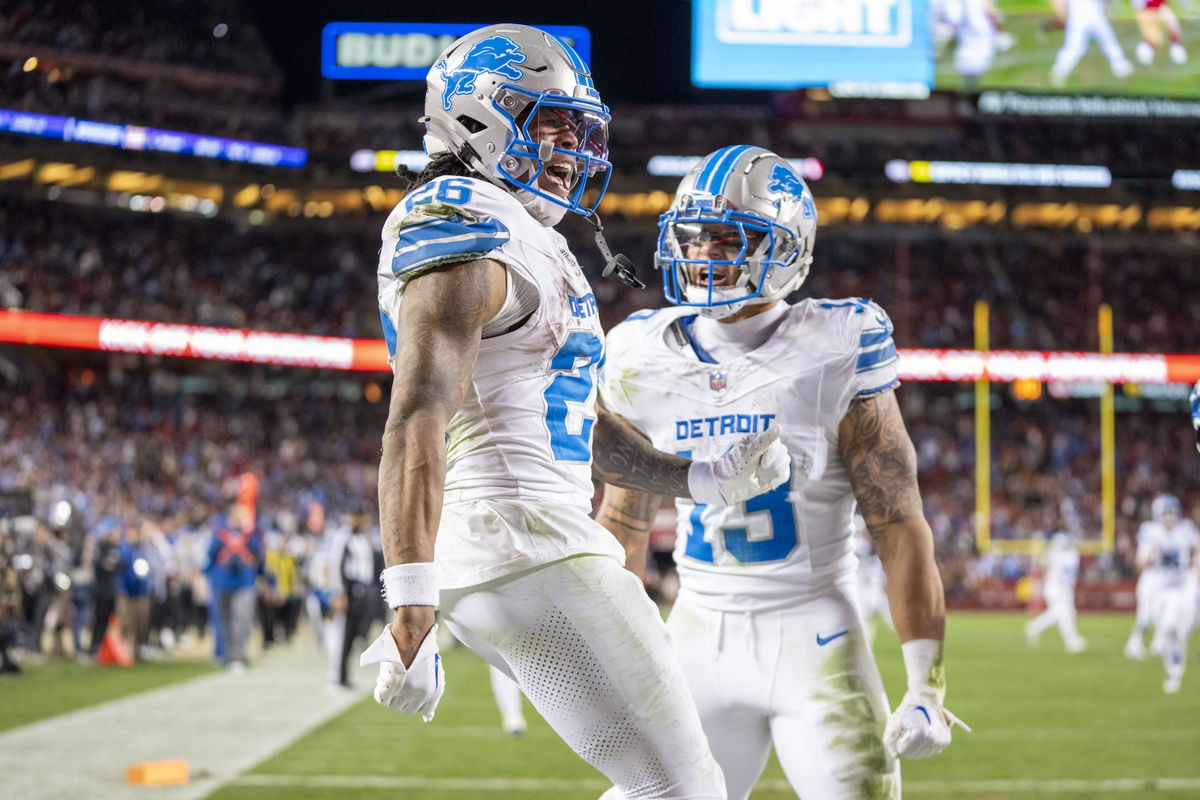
1086 20
1156 555
487 461
1167 547
1060 569
1153 16
766 622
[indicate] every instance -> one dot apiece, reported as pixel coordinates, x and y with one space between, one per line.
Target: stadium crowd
140 463
319 278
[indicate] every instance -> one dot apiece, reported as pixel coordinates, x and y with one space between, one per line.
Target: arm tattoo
438 332
627 508
881 460
624 457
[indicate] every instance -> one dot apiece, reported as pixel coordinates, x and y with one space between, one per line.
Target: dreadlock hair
442 164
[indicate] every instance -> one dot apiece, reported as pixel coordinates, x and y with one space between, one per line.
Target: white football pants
1086 21
1060 610
591 653
802 678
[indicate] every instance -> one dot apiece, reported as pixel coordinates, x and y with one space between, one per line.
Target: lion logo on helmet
785 182
497 55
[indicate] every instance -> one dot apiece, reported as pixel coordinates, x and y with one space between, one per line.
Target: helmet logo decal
784 181
497 55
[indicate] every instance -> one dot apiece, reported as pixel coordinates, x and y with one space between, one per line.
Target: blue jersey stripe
421 247
874 359
876 390
872 338
437 254
685 325
389 332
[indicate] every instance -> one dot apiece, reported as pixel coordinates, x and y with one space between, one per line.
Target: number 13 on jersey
781 520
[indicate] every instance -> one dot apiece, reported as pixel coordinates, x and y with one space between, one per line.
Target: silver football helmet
484 91
1164 505
740 231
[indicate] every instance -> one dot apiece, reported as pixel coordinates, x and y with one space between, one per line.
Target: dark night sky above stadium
640 50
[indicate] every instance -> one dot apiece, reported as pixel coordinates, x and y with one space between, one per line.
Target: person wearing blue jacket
235 560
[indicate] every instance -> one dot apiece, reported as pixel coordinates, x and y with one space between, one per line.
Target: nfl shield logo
716 381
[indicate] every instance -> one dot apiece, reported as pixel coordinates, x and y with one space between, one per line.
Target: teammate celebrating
766 623
485 474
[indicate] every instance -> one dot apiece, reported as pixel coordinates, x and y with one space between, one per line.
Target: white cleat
1144 52
1178 54
1135 649
1076 645
1058 79
1122 69
1031 638
514 726
1171 685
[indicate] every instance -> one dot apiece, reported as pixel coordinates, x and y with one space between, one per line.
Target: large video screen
787 44
1122 47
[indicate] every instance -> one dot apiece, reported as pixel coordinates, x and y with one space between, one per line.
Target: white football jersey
524 429
776 548
1174 549
1062 565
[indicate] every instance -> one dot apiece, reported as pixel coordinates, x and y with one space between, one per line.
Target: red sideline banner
998 594
370 355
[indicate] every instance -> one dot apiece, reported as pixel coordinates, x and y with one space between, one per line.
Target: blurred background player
1086 20
1153 17
1060 569
485 476
974 25
872 582
766 622
509 701
1158 540
1180 594
1168 544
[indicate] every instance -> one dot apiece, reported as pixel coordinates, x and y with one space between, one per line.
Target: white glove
412 690
920 725
756 464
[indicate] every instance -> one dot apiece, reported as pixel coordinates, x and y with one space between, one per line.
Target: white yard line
221 724
595 784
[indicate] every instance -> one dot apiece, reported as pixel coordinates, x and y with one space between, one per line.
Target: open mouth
561 176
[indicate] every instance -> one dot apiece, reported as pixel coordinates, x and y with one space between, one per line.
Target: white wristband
410 585
703 485
923 663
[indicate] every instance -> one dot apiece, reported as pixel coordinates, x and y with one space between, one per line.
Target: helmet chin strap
619 265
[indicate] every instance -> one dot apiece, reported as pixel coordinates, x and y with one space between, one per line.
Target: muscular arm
624 457
628 515
438 332
874 444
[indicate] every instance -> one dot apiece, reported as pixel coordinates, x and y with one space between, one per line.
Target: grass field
1047 724
1027 64
57 687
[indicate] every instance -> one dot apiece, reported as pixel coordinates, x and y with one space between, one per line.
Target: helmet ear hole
470 123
